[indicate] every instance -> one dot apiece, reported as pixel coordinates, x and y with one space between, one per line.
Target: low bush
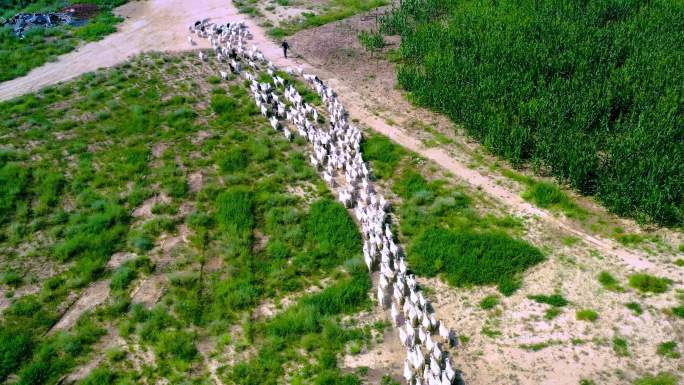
235 210
556 300
668 350
372 40
383 154
648 283
620 347
468 258
587 315
659 379
609 282
489 302
330 226
635 308
410 183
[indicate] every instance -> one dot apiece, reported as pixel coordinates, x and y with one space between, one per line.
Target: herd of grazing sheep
336 153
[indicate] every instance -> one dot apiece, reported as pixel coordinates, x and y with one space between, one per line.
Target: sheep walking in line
336 153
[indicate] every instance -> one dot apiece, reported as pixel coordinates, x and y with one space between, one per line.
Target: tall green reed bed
77 159
588 91
41 45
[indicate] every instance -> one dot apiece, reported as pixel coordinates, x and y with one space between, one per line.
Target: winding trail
160 25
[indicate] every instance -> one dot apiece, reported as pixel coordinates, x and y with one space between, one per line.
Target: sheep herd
337 155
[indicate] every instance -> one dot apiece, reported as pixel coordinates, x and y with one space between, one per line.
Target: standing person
285 47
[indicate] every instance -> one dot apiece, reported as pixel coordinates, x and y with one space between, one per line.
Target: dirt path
161 25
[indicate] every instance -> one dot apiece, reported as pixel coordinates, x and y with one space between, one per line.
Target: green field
587 91
42 45
77 162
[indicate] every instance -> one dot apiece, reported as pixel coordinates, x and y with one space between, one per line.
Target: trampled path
160 25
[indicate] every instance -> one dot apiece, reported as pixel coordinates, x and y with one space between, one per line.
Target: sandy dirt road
161 25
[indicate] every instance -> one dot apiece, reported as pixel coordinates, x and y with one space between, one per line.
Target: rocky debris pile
75 14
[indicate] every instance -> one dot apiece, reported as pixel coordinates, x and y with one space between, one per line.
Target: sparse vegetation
620 347
609 282
335 10
372 41
668 350
489 302
252 240
635 308
556 300
587 315
660 379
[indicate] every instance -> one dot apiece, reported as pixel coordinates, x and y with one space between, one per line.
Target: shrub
660 379
556 300
122 277
668 349
177 344
587 315
372 40
330 226
648 283
15 347
678 311
234 210
489 302
11 278
383 154
222 104
100 376
236 159
620 347
635 308
468 258
609 282
410 183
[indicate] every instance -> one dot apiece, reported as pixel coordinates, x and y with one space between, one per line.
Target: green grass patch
659 379
635 308
586 315
329 225
668 350
372 41
646 283
234 210
549 196
620 347
556 300
383 154
609 282
489 302
468 258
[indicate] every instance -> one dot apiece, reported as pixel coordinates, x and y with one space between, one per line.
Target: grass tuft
467 258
